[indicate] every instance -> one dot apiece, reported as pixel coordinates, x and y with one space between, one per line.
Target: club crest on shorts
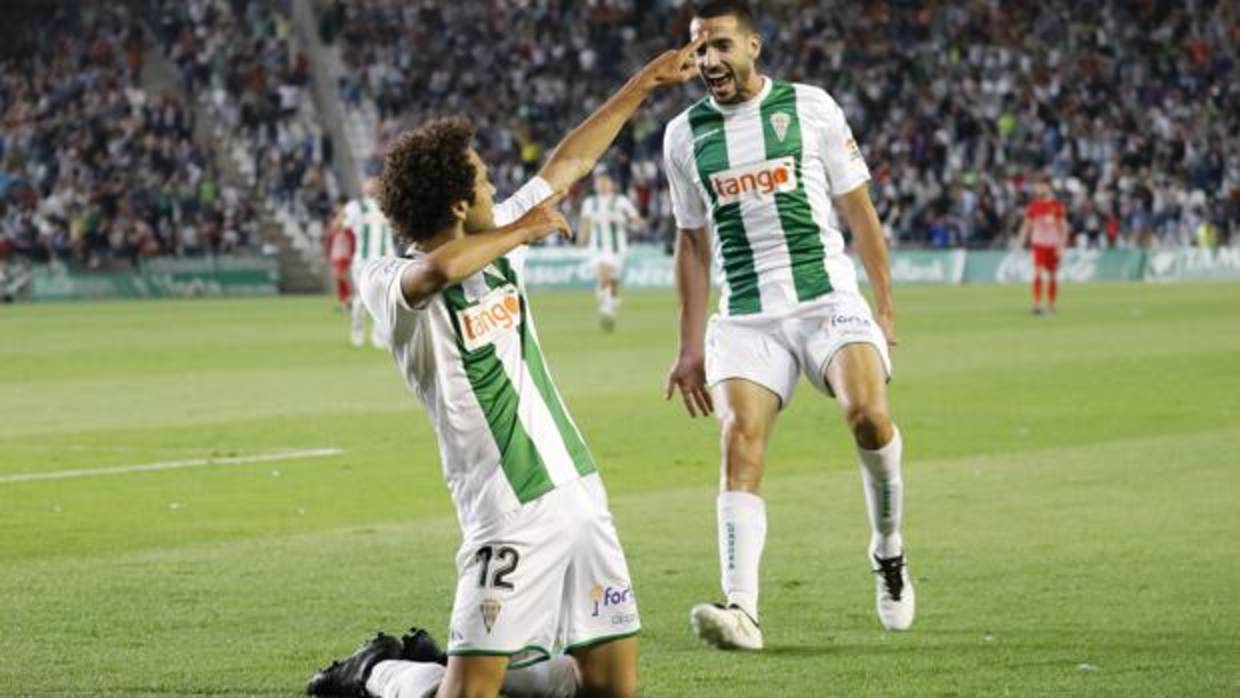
780 122
490 611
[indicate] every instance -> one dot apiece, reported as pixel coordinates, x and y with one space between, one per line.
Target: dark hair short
724 8
426 171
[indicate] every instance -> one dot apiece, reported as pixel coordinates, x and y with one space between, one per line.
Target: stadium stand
1131 107
97 168
243 63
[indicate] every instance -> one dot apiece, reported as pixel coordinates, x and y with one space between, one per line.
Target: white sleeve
687 205
841 158
515 206
378 284
526 198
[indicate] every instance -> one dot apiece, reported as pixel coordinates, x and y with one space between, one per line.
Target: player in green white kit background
373 236
755 171
606 217
540 569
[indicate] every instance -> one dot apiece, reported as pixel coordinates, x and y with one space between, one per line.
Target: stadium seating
99 168
1132 108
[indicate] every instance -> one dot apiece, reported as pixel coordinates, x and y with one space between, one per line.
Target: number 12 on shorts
505 558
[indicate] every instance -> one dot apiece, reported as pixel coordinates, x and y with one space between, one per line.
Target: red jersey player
338 243
1046 231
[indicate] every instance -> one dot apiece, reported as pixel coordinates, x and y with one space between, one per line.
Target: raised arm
461 258
858 212
577 154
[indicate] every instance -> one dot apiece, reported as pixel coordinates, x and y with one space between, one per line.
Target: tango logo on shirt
759 181
495 313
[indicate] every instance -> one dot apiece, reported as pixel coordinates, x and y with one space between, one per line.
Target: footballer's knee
744 445
870 424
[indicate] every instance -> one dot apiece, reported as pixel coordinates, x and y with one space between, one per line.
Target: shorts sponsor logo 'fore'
608 597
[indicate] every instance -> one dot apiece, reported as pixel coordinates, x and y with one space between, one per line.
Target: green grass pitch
1072 516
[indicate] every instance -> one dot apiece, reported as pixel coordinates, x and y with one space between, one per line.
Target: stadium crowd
240 59
94 169
1131 107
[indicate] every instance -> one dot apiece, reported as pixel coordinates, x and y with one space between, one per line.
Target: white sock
554 678
358 317
606 302
884 496
398 678
742 535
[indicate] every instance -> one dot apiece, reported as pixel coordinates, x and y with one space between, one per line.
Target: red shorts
341 266
1046 258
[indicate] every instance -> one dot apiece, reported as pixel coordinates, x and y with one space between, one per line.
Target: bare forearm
862 219
577 154
877 265
692 288
459 259
467 255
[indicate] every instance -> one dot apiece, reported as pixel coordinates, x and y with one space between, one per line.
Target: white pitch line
173 465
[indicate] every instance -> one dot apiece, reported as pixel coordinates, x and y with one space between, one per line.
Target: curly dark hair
426 171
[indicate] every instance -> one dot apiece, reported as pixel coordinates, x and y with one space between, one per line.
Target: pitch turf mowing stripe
522 464
710 153
796 217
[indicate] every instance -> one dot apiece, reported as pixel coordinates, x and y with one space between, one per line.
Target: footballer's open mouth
720 83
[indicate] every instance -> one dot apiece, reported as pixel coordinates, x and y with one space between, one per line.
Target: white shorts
606 260
773 351
548 577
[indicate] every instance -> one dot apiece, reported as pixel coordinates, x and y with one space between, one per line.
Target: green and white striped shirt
471 355
370 227
761 175
609 216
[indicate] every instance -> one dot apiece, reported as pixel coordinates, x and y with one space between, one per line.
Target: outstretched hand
688 375
673 67
545 219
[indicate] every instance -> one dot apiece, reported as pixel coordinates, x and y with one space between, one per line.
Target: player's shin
884 495
742 536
